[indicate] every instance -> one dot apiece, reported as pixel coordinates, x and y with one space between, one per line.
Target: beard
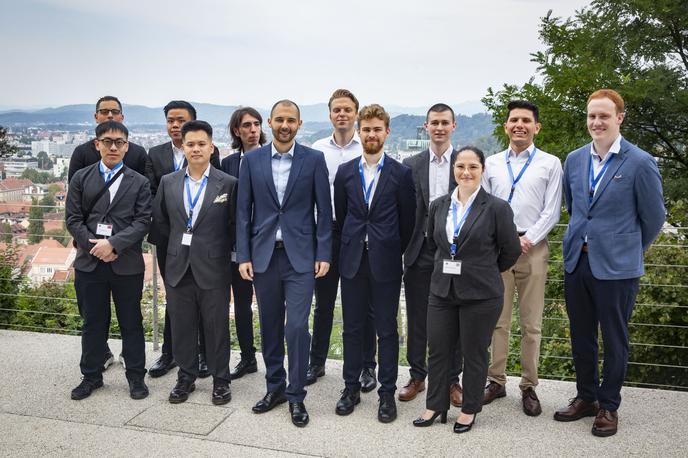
372 148
284 136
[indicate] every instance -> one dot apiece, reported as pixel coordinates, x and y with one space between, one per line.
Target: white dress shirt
178 156
194 186
537 196
370 173
104 172
598 162
438 173
336 155
281 166
460 211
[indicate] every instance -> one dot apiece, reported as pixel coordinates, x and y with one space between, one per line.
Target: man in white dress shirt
530 180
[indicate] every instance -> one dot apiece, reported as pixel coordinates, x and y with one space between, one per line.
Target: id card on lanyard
186 237
367 191
105 229
453 266
594 180
520 174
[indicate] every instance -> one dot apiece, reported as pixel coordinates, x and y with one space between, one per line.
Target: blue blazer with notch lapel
625 215
259 211
389 222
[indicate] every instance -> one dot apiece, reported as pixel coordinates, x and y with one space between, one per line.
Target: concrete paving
38 418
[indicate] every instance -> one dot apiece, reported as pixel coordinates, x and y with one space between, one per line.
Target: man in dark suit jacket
375 204
108 108
108 228
433 177
194 209
162 160
282 248
247 135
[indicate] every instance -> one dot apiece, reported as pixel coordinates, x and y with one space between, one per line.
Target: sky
231 52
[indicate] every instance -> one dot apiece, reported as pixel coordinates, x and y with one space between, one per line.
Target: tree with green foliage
6 150
48 307
44 162
10 284
37 176
36 228
6 233
47 201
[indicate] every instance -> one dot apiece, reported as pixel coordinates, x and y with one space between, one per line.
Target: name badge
233 256
449 266
186 238
104 229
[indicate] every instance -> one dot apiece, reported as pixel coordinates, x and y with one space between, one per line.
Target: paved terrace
37 417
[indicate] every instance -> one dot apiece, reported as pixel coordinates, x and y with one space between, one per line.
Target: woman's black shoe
461 428
422 422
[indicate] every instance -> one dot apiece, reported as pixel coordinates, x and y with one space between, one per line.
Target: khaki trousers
527 277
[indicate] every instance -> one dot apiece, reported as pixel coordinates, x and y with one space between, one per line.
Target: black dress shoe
269 402
368 380
244 367
346 403
222 394
422 422
299 415
461 428
162 366
85 388
387 411
202 366
313 373
137 388
181 390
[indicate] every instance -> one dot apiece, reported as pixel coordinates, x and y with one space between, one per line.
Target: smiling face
373 133
112 146
468 170
604 122
284 122
198 147
521 128
440 126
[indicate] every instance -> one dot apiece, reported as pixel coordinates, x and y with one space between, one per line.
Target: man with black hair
194 210
108 213
162 160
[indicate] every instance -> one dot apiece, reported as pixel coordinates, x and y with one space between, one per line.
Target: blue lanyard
596 179
457 226
367 191
108 176
520 174
192 203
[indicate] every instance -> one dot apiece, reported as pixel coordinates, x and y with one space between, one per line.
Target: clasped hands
103 250
246 269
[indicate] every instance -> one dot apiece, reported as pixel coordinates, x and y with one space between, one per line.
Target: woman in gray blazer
474 238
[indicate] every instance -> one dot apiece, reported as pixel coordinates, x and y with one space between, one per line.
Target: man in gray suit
194 210
108 214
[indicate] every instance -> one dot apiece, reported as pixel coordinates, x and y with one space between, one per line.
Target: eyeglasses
107 142
106 111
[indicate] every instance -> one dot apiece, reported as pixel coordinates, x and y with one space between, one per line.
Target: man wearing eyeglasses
108 213
108 108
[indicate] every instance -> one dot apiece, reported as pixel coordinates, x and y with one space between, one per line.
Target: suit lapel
476 209
380 188
609 173
266 165
123 188
424 176
179 196
167 158
211 191
452 179
294 172
358 185
443 210
234 165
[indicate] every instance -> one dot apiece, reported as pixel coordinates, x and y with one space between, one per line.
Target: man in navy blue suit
283 249
613 193
375 206
247 135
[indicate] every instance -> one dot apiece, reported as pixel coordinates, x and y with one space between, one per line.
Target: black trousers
93 290
325 298
608 304
161 253
472 323
189 307
359 295
417 291
242 293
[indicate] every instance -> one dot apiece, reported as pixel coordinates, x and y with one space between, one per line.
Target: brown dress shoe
577 409
493 390
531 403
411 390
456 394
606 423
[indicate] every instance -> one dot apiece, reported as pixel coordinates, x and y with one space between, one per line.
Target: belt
279 245
585 248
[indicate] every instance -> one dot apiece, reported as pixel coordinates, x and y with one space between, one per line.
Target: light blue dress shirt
281 166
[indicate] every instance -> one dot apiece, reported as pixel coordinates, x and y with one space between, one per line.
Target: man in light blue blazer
283 248
613 193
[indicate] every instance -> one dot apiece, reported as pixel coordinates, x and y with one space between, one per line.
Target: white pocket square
618 177
220 199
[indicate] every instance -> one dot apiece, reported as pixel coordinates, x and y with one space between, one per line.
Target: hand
246 270
102 249
526 244
321 268
112 257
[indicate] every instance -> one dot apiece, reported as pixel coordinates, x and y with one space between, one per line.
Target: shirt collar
289 153
528 151
205 174
176 150
446 156
614 149
374 166
469 202
106 169
354 139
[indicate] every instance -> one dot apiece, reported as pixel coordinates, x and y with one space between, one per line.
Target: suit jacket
419 164
129 213
259 211
389 222
160 162
230 164
488 244
624 218
87 154
209 254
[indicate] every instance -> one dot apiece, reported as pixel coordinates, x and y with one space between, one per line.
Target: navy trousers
359 295
283 292
608 304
